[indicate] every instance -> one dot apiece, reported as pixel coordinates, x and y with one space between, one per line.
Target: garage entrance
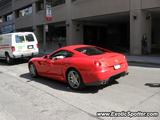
56 36
114 36
155 44
111 32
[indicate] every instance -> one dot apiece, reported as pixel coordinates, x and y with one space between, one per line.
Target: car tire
33 70
9 60
74 80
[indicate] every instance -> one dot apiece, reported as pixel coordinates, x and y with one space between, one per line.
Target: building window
1 19
7 29
8 17
40 5
55 2
25 11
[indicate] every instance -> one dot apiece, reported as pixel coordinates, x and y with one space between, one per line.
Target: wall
86 8
150 4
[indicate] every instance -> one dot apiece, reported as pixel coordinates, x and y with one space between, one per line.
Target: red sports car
80 65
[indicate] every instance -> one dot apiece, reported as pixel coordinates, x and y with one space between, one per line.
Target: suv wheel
9 60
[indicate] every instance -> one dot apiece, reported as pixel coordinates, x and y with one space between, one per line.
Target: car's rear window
29 37
91 50
19 39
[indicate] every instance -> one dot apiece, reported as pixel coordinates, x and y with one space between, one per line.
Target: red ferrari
80 65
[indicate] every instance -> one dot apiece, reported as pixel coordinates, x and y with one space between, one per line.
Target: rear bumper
104 82
104 75
25 55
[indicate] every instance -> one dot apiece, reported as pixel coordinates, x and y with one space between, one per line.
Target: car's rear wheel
74 79
33 70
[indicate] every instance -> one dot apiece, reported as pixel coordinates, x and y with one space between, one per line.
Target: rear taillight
13 48
97 63
37 45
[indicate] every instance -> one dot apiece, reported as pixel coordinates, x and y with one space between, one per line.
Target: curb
140 62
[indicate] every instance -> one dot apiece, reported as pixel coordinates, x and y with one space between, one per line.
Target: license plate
30 46
116 67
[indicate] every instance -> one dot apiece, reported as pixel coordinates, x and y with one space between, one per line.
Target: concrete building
130 26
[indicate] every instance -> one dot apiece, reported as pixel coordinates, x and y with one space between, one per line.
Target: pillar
34 14
74 29
140 27
14 16
44 38
74 33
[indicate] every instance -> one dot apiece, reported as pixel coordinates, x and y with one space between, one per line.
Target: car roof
72 47
13 33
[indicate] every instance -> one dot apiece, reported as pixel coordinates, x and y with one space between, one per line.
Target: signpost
46 28
48 17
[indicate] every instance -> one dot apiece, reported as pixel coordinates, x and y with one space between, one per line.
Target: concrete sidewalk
144 59
133 59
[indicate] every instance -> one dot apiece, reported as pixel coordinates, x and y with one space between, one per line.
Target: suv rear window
90 50
29 38
20 39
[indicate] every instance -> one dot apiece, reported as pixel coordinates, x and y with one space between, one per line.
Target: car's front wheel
32 70
74 79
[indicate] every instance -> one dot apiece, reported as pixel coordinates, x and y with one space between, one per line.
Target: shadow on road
144 65
153 84
63 86
16 62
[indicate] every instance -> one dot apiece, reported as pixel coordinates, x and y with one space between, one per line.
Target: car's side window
62 54
20 39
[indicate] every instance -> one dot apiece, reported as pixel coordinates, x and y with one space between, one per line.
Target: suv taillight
37 45
13 48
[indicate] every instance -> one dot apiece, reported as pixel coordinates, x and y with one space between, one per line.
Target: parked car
80 65
18 45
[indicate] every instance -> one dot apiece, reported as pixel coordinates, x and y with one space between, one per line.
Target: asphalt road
25 98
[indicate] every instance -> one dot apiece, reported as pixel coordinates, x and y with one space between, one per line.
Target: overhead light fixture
134 17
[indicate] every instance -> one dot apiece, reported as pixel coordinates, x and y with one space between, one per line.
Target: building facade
129 26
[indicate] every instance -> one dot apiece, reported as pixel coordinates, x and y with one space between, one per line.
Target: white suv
18 45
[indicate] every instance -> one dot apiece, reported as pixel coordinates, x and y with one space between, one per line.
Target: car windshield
91 50
29 38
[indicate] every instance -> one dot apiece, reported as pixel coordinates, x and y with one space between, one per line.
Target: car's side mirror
58 57
45 56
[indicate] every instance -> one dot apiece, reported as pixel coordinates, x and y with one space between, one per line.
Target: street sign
46 28
48 12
